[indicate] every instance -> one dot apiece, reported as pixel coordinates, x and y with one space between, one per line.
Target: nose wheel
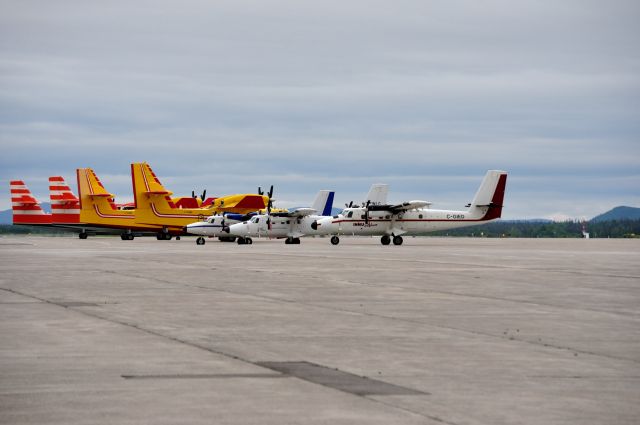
292 241
200 241
335 240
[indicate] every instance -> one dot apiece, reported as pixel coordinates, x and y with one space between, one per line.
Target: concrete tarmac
436 331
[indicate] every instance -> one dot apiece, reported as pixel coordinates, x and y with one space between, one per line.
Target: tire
287 241
177 238
335 240
397 240
241 241
385 240
200 241
83 235
124 237
248 241
296 241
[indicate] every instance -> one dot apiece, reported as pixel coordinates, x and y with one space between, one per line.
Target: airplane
290 225
392 221
64 206
154 206
25 207
217 224
98 209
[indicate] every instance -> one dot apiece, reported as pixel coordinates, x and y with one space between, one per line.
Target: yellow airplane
98 208
154 206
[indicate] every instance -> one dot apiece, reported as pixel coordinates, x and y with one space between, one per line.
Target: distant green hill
618 213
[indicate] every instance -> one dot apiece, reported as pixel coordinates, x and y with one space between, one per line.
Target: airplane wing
301 212
406 206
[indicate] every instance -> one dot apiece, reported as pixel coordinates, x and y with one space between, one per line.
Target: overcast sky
423 95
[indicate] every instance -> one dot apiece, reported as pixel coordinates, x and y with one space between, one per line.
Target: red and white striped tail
26 208
65 206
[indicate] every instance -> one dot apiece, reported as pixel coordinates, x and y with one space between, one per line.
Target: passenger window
363 216
420 216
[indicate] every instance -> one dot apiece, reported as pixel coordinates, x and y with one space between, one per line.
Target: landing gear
126 236
385 240
163 236
292 241
177 238
227 238
245 241
83 235
200 241
397 240
335 240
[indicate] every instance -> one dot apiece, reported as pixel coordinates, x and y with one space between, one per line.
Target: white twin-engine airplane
290 225
300 222
411 218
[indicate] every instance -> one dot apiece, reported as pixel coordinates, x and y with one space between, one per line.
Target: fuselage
275 227
354 221
212 226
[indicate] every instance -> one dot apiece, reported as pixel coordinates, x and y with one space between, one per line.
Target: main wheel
385 240
241 241
397 240
177 238
335 240
287 241
124 237
248 241
130 236
83 235
296 241
200 241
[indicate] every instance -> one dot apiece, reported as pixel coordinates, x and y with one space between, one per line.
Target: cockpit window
350 214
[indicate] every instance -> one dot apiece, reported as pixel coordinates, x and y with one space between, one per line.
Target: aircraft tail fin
377 194
323 202
489 197
26 208
147 186
65 205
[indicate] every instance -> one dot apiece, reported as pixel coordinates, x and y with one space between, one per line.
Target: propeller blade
271 192
260 192
204 194
193 194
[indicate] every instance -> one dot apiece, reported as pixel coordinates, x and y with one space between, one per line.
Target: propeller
366 213
269 203
202 197
349 205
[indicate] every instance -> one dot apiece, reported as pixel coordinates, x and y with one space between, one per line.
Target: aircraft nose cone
314 225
